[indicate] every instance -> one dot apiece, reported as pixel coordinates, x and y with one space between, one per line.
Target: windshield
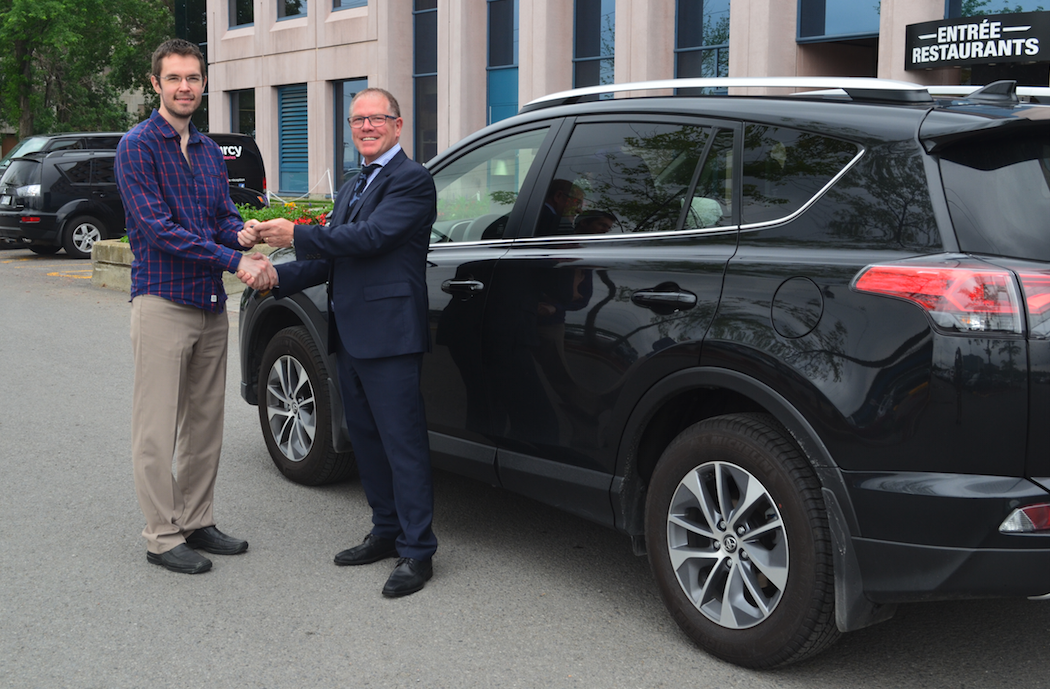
998 195
27 145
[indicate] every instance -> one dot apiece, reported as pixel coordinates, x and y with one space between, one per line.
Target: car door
615 288
482 189
106 195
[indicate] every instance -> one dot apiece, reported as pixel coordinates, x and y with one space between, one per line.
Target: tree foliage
68 61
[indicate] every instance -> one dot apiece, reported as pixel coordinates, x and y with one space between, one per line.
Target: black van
244 166
69 199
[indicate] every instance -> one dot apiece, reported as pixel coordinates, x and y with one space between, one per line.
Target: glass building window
241 13
242 112
502 87
347 4
347 159
702 39
978 8
289 9
594 42
424 76
191 23
821 20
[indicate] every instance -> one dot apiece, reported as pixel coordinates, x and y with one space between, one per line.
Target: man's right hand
256 271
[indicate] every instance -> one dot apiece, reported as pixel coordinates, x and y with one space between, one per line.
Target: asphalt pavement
522 596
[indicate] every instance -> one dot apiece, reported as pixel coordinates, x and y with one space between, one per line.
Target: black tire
751 581
80 234
295 411
44 249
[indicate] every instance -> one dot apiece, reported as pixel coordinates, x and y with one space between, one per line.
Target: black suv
797 348
63 199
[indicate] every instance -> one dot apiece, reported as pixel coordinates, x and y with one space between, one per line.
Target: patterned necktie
359 185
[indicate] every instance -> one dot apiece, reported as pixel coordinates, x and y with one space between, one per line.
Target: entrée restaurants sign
978 40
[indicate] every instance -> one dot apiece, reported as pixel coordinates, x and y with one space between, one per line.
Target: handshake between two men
255 270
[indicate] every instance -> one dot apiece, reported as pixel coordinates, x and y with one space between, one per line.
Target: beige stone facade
375 42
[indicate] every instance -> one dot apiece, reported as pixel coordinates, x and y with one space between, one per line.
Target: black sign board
1000 38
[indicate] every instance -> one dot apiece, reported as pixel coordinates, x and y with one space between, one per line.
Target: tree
68 61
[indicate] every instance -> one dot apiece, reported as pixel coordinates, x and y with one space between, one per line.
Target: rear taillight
964 296
1030 519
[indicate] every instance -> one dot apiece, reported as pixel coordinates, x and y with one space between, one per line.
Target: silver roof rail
858 88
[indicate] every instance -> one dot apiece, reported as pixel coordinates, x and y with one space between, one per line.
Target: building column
645 34
394 47
762 41
894 18
462 85
544 48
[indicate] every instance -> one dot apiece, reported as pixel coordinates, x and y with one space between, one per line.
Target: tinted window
103 173
21 172
713 200
477 191
101 142
783 169
63 144
999 196
76 171
637 173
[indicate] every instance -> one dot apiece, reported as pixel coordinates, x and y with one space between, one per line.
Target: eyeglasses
192 80
376 120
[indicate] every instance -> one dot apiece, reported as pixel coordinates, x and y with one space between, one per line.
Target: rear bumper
903 572
14 227
928 536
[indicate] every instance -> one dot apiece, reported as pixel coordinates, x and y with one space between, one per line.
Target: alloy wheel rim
728 545
84 236
291 409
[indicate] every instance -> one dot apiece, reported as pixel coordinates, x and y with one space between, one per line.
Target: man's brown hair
177 46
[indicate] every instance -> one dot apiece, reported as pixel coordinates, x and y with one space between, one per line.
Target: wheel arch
268 318
691 395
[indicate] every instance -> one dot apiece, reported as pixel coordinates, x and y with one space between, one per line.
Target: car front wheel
295 411
739 543
81 234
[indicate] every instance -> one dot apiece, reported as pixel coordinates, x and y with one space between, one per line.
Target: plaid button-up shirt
181 223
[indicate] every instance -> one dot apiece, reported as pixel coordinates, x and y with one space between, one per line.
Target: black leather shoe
211 540
372 549
408 577
180 559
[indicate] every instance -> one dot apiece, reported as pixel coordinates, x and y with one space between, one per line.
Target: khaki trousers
177 414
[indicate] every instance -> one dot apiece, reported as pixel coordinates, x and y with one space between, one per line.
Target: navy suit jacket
374 258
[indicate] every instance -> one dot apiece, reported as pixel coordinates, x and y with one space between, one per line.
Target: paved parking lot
523 595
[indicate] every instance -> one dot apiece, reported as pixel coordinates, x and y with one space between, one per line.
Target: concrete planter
111 267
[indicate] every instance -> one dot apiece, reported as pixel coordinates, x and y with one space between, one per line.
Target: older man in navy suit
373 253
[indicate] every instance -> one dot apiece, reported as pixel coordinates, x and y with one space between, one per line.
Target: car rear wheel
80 234
739 543
295 411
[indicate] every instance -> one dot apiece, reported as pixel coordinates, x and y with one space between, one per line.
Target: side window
477 192
76 172
619 177
63 144
712 202
783 169
103 173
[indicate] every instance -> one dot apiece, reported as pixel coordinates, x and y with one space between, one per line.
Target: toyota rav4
797 348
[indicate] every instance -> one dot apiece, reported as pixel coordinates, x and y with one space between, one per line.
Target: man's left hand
278 232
